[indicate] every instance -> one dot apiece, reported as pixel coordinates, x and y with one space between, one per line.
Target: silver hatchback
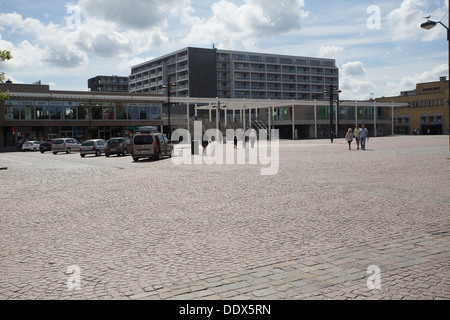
66 145
94 146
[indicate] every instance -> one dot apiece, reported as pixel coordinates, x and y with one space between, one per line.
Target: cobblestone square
160 230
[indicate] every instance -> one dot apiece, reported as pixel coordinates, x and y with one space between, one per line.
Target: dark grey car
119 146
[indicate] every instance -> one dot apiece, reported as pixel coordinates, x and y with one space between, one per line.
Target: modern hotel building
210 73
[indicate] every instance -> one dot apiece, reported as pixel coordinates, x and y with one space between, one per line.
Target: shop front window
156 112
108 113
27 112
133 113
70 110
42 113
83 112
17 111
97 113
144 113
120 111
56 113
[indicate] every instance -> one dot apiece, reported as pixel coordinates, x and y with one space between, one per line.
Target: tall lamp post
331 92
168 87
430 25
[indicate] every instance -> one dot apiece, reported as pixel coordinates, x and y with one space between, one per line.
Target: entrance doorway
104 134
66 134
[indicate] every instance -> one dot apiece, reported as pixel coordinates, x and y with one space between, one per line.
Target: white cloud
356 89
49 44
353 69
332 52
132 14
405 21
393 88
232 25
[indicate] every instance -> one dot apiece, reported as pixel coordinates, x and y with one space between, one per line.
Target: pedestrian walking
349 138
205 143
253 138
243 137
235 140
356 134
363 136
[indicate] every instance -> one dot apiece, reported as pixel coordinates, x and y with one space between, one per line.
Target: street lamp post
331 92
168 87
430 25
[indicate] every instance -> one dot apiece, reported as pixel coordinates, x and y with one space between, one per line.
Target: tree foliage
4 55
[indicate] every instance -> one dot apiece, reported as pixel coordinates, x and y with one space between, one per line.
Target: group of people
360 134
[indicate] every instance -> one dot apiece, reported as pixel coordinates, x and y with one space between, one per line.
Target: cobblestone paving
157 230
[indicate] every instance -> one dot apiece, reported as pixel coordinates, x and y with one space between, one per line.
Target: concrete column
393 121
315 122
210 115
375 129
293 122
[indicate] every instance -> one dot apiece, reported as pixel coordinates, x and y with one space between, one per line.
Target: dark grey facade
108 83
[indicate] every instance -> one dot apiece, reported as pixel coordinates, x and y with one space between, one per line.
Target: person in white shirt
253 138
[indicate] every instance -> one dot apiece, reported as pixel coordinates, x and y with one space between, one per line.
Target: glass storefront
72 110
82 112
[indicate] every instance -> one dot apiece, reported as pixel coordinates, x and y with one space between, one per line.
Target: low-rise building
36 112
427 109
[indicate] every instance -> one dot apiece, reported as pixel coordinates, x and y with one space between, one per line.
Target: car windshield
114 142
139 140
88 143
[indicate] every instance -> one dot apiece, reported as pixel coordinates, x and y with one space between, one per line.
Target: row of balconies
279 69
272 59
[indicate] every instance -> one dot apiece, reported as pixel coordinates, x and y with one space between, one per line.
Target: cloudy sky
378 45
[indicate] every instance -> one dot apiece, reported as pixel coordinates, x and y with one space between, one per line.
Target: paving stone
252 234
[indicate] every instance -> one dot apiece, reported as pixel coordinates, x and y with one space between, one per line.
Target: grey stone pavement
158 230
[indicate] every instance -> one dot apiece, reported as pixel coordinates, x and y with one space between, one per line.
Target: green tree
4 55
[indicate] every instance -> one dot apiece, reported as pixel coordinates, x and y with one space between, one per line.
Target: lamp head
428 25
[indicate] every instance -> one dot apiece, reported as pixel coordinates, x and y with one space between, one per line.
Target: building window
133 112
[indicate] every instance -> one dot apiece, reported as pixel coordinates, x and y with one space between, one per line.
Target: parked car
119 146
46 146
93 146
150 144
66 145
31 146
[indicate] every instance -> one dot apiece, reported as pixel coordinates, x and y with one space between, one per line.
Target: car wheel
125 152
107 155
98 153
135 159
42 151
158 156
55 153
82 155
68 151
